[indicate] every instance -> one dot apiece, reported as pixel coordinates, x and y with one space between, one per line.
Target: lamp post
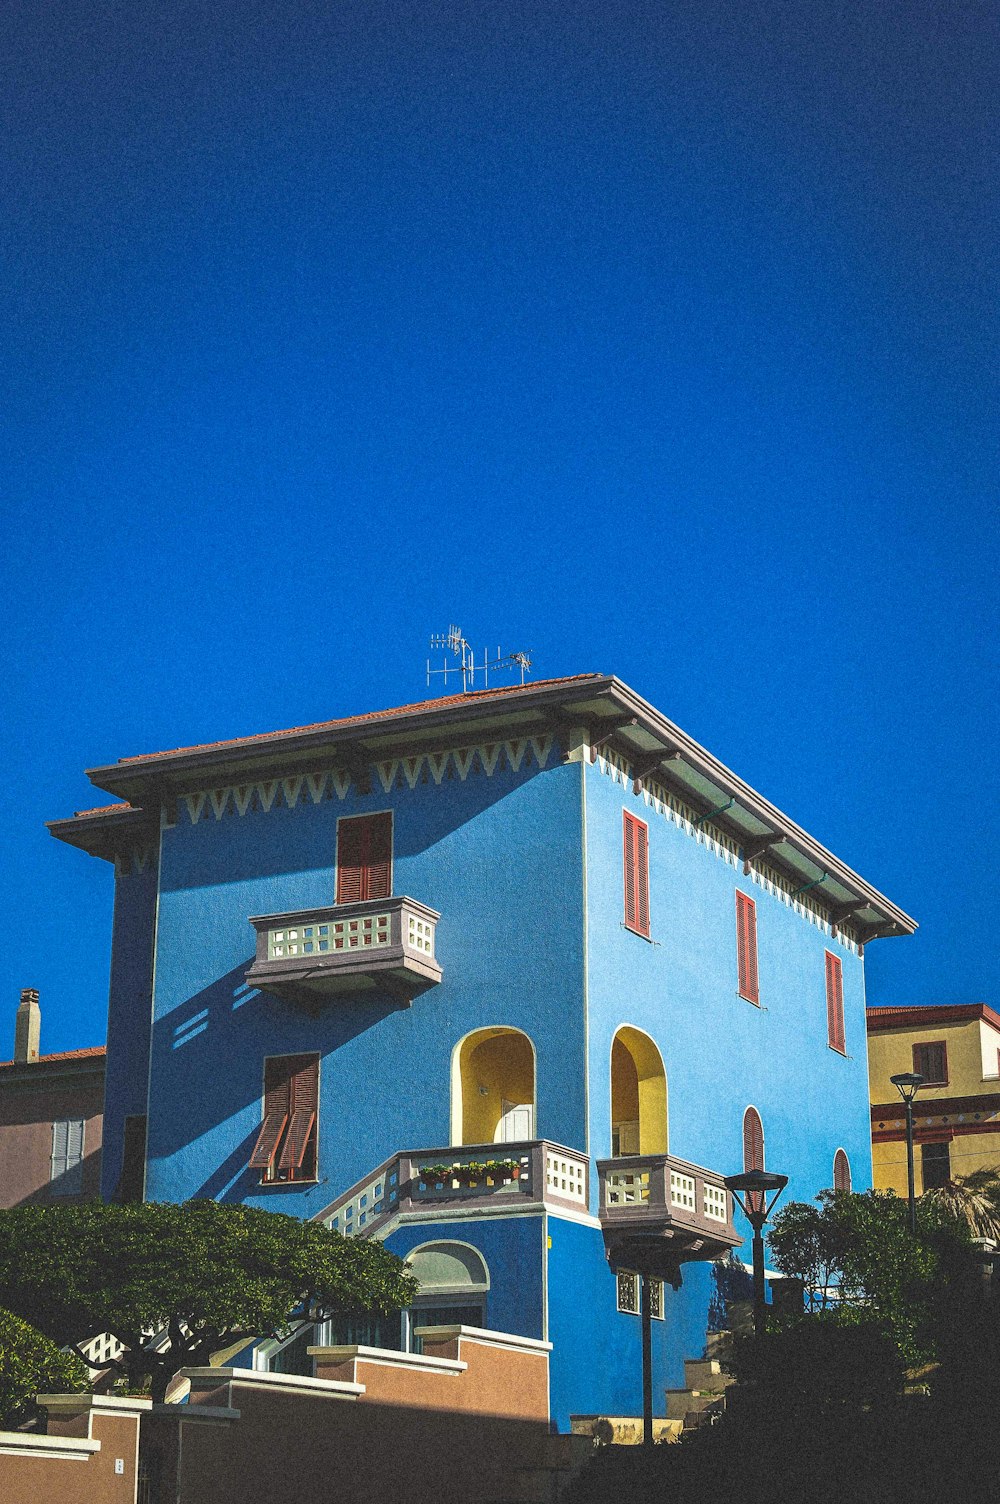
755 1186
908 1083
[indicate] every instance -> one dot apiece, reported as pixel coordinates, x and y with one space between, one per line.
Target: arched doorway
454 1281
493 1088
638 1095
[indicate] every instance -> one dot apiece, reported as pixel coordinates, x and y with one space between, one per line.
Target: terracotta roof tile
440 703
90 1053
101 809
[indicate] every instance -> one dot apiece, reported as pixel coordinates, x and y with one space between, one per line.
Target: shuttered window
753 1151
935 1164
364 857
746 947
835 1004
286 1145
636 836
132 1183
841 1172
66 1170
931 1062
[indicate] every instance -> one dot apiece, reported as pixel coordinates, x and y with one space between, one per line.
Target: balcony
480 1178
658 1212
386 943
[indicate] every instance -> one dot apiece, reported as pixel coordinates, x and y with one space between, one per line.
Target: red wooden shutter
379 856
753 1140
931 1062
753 1151
304 1072
746 947
841 1172
364 858
350 865
636 855
835 1003
277 1100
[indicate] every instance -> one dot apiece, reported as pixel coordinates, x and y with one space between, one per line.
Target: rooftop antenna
455 645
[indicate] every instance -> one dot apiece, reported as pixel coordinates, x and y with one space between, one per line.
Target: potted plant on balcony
502 1171
434 1175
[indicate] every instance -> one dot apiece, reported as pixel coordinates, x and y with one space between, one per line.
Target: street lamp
755 1186
908 1084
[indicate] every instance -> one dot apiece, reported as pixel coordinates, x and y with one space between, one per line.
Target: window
935 1164
636 874
753 1151
286 1145
746 947
835 1004
66 1169
629 1295
841 1171
364 857
931 1062
132 1182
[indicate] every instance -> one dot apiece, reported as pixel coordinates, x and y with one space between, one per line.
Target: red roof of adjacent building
89 1053
441 703
101 809
934 1013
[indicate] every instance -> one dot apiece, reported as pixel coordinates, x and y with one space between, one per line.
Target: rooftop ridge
90 1052
440 702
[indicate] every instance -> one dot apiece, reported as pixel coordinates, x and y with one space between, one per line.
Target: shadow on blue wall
208 1060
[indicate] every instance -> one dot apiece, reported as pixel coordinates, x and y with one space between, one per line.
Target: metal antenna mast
453 643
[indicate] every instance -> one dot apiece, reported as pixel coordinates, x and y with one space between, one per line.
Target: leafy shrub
31 1364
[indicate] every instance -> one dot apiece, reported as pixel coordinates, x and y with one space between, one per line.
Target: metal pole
909 1169
759 1297
647 1362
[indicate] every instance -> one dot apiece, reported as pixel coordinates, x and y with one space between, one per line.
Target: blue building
506 978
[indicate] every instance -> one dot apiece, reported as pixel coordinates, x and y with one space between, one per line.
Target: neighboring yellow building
956 1114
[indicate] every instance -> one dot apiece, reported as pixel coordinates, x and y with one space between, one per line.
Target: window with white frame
66 1168
629 1295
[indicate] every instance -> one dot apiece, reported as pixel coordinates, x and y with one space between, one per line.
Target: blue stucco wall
129 1010
721 1053
499 856
596 1360
514 1254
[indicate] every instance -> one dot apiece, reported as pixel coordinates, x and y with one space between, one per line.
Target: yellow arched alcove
493 1088
638 1095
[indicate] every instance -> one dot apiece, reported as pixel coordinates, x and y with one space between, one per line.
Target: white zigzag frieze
616 767
327 783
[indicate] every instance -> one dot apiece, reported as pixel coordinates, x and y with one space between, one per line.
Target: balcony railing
383 942
500 1176
657 1198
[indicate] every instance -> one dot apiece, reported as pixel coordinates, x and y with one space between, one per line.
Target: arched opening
493 1088
638 1095
841 1171
753 1140
454 1280
753 1151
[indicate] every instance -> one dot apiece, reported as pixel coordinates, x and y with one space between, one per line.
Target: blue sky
657 338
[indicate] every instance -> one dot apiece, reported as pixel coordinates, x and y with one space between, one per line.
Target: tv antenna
455 644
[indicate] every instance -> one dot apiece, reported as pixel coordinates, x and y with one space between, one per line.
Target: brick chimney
28 1028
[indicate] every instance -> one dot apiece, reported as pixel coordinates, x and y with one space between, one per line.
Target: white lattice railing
682 1190
716 1203
566 1177
626 1188
367 932
379 1197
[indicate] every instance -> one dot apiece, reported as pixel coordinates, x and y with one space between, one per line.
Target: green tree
972 1200
31 1364
203 1276
857 1259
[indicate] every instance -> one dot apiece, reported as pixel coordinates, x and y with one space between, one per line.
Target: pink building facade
51 1118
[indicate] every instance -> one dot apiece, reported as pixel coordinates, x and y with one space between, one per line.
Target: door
515 1125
